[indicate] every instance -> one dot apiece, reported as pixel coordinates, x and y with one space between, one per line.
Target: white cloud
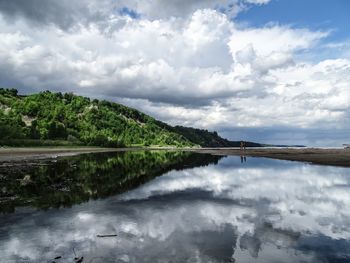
71 15
199 68
155 9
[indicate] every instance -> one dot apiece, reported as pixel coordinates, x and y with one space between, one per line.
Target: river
173 207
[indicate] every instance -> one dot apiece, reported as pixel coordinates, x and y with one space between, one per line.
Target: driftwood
106 235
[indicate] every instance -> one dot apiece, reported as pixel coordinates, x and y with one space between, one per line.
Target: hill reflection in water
72 180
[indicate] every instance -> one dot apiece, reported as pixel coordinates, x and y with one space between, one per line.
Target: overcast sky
275 71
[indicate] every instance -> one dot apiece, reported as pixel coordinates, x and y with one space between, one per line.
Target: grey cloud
165 97
161 8
71 13
65 14
61 13
321 137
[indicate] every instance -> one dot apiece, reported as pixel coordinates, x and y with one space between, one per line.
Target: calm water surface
174 207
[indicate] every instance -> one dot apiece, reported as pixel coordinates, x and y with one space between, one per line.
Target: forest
50 119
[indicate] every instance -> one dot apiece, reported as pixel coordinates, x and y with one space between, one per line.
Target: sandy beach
30 153
335 157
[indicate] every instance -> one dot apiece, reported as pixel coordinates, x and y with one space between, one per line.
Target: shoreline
17 154
319 156
331 156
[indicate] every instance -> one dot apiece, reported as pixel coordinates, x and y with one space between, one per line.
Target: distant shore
335 157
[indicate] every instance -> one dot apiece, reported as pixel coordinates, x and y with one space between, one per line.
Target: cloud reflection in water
260 211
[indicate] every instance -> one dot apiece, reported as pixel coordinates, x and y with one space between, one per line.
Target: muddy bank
336 157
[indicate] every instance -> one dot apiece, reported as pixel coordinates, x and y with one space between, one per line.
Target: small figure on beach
243 145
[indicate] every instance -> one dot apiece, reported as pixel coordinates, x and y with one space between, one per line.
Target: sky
272 71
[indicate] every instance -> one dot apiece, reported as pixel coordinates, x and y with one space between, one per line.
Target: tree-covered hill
209 139
56 117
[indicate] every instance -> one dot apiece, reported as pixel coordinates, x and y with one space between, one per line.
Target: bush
37 143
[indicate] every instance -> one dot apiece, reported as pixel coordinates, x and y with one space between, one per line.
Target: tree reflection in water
66 181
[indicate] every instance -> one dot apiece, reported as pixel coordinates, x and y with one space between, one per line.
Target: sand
336 157
30 153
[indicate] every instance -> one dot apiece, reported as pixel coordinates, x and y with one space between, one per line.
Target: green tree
56 130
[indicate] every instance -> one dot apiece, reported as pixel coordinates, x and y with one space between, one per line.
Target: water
174 207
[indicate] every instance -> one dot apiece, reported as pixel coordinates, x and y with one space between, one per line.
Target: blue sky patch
125 11
313 14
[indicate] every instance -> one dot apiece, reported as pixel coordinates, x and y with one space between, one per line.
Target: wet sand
335 157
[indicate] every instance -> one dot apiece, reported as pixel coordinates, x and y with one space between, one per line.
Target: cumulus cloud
188 61
207 59
65 14
134 61
71 13
155 9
